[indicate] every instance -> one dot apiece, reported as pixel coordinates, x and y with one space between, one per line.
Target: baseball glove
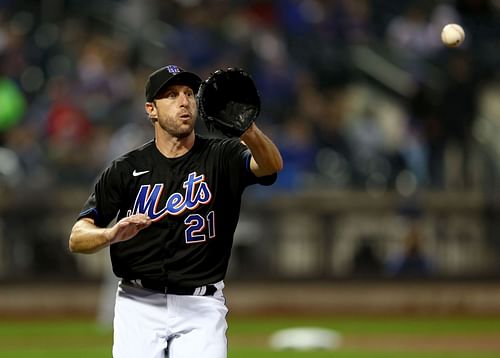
228 101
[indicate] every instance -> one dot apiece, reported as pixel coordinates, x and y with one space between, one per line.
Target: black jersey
193 200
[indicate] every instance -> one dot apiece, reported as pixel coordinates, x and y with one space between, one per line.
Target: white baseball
452 35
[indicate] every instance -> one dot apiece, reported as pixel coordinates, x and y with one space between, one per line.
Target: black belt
207 290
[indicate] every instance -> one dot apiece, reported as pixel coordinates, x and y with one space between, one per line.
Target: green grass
375 325
252 353
248 337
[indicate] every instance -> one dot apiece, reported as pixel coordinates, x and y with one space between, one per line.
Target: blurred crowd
357 94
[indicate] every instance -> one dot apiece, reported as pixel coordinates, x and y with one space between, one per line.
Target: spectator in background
458 108
327 114
12 104
412 262
409 31
12 108
68 129
32 171
424 134
298 149
366 142
366 261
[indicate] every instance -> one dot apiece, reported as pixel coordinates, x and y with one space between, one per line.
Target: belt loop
199 291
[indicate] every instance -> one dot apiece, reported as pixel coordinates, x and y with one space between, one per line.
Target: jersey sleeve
237 160
265 180
105 201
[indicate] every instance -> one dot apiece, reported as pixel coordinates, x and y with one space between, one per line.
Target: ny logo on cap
173 69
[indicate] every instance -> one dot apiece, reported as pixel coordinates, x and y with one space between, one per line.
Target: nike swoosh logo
136 173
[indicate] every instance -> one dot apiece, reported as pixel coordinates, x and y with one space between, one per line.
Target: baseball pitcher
176 200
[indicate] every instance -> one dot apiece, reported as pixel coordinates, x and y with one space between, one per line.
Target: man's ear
151 111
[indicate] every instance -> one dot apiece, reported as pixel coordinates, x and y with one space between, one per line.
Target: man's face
175 110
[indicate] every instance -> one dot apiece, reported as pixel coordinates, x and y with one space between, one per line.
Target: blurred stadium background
389 198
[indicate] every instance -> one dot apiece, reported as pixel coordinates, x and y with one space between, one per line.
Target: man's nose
184 99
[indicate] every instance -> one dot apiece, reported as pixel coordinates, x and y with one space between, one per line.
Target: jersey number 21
199 227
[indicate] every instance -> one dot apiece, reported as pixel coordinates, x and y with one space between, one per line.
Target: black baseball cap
168 75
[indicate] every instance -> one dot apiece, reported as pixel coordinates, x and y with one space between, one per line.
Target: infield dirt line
396 342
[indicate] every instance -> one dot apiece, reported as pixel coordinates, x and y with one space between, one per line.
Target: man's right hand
128 227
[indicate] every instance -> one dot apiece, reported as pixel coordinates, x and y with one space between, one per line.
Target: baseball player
176 200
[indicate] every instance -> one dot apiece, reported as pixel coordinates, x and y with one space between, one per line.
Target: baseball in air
452 35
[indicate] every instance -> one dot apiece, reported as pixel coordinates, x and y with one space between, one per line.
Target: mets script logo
196 193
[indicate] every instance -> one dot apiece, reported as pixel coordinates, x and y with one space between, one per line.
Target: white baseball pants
156 325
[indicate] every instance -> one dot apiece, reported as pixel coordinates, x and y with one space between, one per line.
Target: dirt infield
457 343
316 298
394 342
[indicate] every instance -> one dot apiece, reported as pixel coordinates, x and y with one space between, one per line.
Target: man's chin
181 131
184 133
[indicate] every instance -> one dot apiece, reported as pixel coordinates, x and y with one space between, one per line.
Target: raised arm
266 158
87 238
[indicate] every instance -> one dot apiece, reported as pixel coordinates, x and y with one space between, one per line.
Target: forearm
266 158
87 238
